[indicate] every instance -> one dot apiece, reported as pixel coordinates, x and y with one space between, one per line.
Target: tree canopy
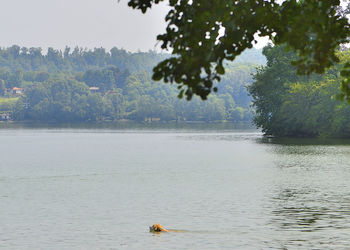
97 85
299 106
202 34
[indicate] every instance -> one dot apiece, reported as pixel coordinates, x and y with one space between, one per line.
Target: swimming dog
157 228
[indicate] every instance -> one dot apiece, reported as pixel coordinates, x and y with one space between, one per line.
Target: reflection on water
304 210
313 218
93 189
131 125
304 141
310 204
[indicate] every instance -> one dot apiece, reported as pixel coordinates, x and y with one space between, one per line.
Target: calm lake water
102 188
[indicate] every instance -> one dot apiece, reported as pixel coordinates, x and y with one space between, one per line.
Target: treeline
22 59
299 106
76 92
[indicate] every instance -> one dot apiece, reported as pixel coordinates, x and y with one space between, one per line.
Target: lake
74 188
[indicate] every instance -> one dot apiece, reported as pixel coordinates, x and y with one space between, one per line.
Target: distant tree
95 106
16 78
106 78
42 77
214 109
2 87
114 105
14 51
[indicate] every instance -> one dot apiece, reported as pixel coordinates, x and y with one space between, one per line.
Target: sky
83 23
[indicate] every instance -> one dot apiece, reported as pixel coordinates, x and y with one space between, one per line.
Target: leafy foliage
7 104
101 92
299 106
202 34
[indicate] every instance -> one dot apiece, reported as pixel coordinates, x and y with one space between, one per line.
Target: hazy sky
83 23
86 23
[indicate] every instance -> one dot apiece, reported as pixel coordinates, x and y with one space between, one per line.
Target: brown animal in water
156 228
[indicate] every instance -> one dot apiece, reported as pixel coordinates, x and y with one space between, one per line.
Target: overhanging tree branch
202 34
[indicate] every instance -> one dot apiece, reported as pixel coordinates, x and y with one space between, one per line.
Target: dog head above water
157 228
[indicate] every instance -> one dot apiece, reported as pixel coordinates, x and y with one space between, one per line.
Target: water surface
102 188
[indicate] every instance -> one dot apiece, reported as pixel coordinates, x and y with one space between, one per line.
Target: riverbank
127 124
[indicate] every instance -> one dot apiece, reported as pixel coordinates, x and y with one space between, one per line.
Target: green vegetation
22 59
7 104
203 34
105 86
299 106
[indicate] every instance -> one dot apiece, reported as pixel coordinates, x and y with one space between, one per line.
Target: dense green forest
93 85
287 104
